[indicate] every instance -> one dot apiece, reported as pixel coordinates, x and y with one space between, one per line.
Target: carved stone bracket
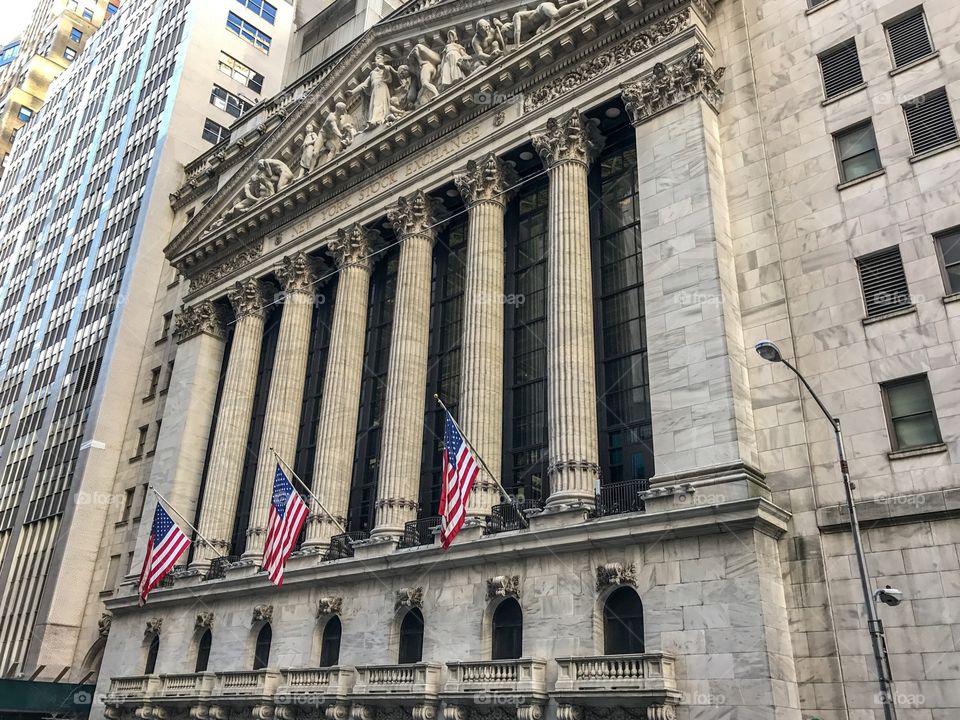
616 574
416 215
409 598
296 274
204 620
569 138
353 244
262 613
247 297
329 606
154 625
486 180
103 624
503 586
193 320
669 85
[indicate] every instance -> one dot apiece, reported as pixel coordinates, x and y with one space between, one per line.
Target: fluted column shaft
233 423
282 420
481 370
399 478
337 428
567 147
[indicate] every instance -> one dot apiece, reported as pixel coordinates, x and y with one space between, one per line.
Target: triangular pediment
426 65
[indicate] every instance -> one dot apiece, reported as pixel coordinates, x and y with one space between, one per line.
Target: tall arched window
411 637
623 622
330 642
151 663
203 651
261 654
508 630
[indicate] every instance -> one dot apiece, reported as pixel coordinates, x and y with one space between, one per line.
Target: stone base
560 515
375 546
708 487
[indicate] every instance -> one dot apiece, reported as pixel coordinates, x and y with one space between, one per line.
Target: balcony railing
509 515
327 685
415 680
218 567
246 683
524 676
189 685
621 497
340 544
649 676
131 689
419 532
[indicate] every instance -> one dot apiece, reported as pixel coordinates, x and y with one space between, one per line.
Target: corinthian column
567 147
399 479
233 422
337 429
481 370
282 420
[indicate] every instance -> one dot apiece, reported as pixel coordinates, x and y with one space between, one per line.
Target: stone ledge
898 312
899 510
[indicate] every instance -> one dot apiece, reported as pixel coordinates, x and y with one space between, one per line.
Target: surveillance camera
888 596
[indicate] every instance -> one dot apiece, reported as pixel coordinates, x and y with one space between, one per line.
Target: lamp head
768 351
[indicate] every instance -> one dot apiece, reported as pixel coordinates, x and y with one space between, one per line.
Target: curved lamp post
771 353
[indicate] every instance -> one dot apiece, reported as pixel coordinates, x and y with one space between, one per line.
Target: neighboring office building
84 215
9 52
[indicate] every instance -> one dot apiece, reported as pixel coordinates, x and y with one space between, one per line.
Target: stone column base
708 486
559 515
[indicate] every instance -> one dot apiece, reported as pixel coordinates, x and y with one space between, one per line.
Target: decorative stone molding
569 138
416 215
352 246
569 712
662 712
598 64
193 320
329 606
409 598
204 620
103 624
616 574
241 259
262 613
669 85
247 297
296 274
486 180
503 586
154 625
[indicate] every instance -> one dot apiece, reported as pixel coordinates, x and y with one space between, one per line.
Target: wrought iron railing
621 497
510 515
218 567
340 544
419 532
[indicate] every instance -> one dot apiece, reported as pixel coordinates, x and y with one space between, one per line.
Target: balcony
510 515
132 691
413 686
621 497
187 687
341 545
516 684
645 680
419 532
317 687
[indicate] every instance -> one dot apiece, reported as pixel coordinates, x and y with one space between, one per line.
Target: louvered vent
930 122
909 38
884 283
841 69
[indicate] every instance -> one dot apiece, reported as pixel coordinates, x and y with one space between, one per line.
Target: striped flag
166 543
288 512
460 470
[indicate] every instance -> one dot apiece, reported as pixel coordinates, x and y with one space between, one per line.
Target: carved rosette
616 574
193 320
296 274
669 85
569 138
409 598
154 625
416 215
262 613
486 180
203 621
352 246
103 624
329 606
503 586
247 297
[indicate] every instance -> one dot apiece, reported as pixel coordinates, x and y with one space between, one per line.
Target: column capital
416 215
666 86
247 297
485 180
202 318
352 246
569 138
296 273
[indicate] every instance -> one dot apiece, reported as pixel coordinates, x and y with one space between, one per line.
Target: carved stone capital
352 246
485 180
503 586
247 297
262 613
569 712
154 626
416 215
103 624
329 606
569 138
533 711
193 320
409 598
669 85
662 712
204 620
616 574
295 273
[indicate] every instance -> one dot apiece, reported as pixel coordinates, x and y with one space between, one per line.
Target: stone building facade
572 221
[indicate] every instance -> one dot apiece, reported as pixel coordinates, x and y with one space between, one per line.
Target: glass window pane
916 431
909 398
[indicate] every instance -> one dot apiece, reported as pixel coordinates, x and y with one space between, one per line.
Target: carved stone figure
276 176
615 574
308 157
409 597
262 613
428 62
487 43
329 606
154 625
377 88
543 17
336 132
404 98
454 61
503 586
103 624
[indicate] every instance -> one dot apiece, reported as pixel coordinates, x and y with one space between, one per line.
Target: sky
16 15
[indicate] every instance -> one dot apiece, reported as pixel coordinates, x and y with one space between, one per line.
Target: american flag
166 543
460 469
288 512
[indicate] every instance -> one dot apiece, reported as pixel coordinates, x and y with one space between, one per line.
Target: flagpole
496 482
309 492
189 525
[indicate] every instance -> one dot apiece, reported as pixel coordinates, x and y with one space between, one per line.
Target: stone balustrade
519 685
413 679
187 685
647 679
327 687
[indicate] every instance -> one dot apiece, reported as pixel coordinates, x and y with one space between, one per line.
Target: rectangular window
228 102
154 382
112 8
948 247
87 14
909 37
76 35
167 322
69 53
262 8
930 121
249 32
911 414
214 132
141 441
857 152
883 281
235 69
25 113
841 69
127 504
113 569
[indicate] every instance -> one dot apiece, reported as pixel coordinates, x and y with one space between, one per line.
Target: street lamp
771 353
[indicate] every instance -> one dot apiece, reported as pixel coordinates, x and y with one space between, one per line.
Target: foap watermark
497 699
512 299
493 98
702 698
693 297
901 700
99 499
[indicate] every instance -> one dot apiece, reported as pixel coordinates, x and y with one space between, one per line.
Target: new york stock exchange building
551 217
